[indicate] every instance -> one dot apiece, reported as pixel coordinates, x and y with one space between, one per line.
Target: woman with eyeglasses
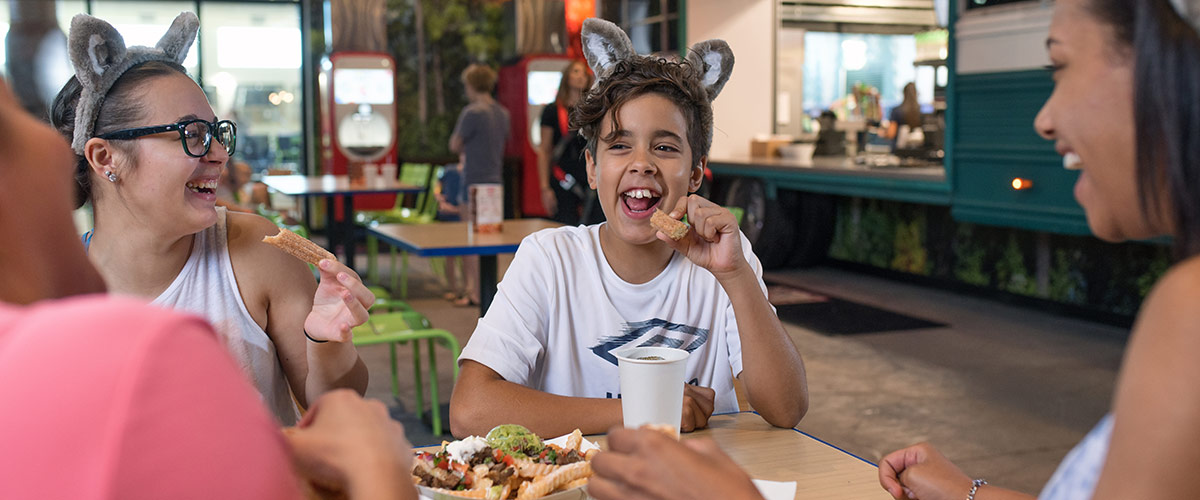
149 152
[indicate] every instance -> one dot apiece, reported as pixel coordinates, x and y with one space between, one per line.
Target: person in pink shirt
111 398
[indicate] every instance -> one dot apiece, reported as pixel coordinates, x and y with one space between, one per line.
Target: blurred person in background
479 138
905 118
562 171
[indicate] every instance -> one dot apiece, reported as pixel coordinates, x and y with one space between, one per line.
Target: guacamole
514 440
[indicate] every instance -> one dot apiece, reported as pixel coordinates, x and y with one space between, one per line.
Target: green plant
969 257
1011 273
910 254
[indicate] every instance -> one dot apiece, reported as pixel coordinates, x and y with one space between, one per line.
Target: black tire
815 218
767 225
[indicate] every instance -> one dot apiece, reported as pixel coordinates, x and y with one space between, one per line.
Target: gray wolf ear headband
1189 10
605 45
100 57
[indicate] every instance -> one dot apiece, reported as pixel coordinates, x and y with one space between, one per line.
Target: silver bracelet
975 484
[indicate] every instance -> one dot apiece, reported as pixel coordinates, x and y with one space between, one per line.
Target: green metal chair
424 212
417 174
737 212
401 327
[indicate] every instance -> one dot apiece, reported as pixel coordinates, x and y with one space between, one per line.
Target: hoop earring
111 176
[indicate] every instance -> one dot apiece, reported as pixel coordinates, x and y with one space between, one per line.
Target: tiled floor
1003 391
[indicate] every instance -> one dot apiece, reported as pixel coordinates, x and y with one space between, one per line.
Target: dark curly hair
677 81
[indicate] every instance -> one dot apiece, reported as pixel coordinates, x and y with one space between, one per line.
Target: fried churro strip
575 484
574 440
299 247
674 229
529 468
476 493
663 428
565 474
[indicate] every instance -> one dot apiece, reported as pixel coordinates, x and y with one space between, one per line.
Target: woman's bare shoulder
246 247
1179 286
1170 309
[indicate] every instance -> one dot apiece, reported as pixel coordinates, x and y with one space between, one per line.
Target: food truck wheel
767 224
815 216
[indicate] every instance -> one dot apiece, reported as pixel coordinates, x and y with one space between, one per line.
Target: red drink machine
524 88
358 117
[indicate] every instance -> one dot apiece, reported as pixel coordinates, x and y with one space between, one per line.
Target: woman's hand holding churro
341 303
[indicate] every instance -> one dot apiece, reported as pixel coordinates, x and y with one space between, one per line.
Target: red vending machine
524 88
358 117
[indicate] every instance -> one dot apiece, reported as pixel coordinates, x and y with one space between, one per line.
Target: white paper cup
652 389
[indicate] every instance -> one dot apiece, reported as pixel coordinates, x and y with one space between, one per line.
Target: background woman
907 114
561 168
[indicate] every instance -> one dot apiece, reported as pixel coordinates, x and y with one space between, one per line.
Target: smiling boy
543 357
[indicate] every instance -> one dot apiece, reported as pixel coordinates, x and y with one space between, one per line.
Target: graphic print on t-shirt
665 334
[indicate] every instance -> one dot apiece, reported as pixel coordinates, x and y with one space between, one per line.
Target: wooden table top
452 238
322 185
820 470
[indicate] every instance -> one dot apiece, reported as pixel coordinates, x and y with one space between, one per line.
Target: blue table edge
822 441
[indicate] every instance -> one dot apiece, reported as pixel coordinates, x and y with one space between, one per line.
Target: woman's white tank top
206 287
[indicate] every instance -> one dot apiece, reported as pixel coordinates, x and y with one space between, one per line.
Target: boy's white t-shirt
561 312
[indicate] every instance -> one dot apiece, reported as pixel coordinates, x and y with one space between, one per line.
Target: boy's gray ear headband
1189 10
605 45
100 57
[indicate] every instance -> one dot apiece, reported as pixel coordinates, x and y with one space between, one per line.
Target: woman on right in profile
1125 112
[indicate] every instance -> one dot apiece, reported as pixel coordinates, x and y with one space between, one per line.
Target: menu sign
485 207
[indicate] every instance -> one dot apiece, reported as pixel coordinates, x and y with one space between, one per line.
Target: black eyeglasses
196 135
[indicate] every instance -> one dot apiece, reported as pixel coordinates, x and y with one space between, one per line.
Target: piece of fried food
674 229
299 247
663 428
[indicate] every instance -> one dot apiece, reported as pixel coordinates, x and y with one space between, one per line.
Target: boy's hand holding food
713 242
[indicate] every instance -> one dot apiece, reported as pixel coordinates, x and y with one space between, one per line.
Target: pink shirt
104 398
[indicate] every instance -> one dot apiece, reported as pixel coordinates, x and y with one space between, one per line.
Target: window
835 62
248 59
260 88
654 26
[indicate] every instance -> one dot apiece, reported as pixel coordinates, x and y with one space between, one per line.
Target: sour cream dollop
464 449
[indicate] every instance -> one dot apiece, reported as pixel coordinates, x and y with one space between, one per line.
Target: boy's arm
772 370
482 399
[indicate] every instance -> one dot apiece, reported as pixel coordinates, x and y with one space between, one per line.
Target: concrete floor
1003 391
